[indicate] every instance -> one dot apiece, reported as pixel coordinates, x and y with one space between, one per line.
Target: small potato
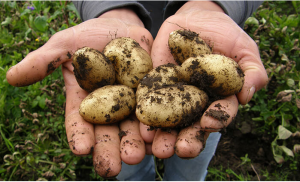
108 104
174 106
216 74
92 69
161 76
184 44
130 60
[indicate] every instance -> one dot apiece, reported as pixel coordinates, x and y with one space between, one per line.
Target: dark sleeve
239 11
92 9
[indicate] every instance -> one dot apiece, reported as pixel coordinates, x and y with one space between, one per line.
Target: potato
161 76
173 106
185 44
92 69
130 60
215 73
108 104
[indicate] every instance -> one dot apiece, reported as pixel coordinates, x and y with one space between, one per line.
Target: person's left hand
217 29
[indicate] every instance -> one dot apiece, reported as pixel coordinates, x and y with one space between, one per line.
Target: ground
239 141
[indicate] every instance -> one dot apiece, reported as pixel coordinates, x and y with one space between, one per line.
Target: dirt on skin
100 166
130 143
122 133
52 65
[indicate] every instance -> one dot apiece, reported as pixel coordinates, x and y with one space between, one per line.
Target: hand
102 141
217 29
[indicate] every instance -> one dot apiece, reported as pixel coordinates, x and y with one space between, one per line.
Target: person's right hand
102 140
216 28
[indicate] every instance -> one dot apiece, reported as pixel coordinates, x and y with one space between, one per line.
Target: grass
33 140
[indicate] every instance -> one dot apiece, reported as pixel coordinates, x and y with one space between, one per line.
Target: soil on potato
187 35
83 71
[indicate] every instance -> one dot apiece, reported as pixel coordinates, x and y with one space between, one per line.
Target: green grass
33 140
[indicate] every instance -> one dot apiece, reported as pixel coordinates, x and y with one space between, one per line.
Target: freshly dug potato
161 76
108 104
215 73
130 60
92 69
185 44
173 106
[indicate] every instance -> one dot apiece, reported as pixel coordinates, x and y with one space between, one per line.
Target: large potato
92 69
184 44
173 106
130 60
108 104
215 73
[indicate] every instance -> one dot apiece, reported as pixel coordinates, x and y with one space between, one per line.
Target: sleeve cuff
93 9
239 11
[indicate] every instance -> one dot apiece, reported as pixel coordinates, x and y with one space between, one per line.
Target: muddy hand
103 141
227 38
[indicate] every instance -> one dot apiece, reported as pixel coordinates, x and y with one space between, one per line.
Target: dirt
181 53
235 144
220 115
83 70
52 65
144 39
69 55
122 133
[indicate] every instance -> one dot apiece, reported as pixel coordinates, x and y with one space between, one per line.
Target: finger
106 155
132 145
80 133
40 63
147 133
219 114
163 143
190 141
95 33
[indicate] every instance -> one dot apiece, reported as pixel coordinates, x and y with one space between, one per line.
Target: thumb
95 33
42 62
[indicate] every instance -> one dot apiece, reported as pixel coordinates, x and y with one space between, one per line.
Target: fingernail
250 94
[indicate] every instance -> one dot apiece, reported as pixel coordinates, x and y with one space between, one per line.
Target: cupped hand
103 141
226 38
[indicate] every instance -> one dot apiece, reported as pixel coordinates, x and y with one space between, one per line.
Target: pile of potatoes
111 77
169 96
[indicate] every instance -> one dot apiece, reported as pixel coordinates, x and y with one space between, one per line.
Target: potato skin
161 76
217 74
184 44
108 104
171 106
92 69
130 60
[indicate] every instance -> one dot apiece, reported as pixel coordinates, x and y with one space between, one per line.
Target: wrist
200 5
125 15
